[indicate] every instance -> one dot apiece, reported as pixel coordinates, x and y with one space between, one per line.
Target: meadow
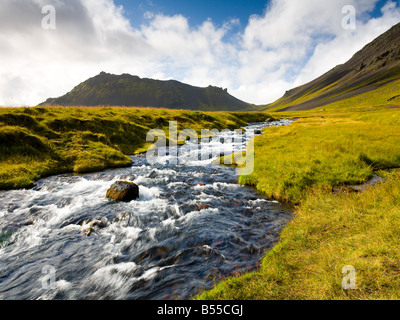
312 165
38 142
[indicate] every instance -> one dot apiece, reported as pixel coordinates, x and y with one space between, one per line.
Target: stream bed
192 226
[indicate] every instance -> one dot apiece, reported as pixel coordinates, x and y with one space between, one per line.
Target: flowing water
192 226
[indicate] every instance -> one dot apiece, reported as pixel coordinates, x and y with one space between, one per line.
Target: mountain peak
128 90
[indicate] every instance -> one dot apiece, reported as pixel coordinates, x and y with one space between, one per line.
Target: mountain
127 90
374 67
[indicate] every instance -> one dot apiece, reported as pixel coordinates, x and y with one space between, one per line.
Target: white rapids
192 225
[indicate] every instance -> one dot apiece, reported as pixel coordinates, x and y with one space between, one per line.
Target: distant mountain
127 90
375 66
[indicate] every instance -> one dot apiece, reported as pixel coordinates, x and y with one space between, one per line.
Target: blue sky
197 11
256 49
377 10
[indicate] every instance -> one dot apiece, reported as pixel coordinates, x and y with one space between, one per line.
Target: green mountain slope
127 90
374 69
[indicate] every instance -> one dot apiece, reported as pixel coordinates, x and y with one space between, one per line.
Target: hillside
127 90
37 142
372 73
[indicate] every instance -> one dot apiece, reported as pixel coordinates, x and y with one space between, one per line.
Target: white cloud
293 42
304 39
90 36
346 43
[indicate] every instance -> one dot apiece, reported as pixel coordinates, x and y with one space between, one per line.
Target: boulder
123 191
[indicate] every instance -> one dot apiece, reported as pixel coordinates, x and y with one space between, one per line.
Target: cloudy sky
256 49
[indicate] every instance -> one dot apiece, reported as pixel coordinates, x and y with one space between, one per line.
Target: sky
196 11
256 49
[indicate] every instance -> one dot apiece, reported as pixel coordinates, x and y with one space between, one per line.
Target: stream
192 226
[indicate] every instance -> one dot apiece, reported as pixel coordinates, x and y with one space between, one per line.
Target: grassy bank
302 164
325 152
37 142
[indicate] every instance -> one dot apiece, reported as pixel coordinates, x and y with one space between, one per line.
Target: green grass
37 142
327 233
301 164
324 152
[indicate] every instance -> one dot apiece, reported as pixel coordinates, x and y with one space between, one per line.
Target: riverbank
191 224
39 142
303 164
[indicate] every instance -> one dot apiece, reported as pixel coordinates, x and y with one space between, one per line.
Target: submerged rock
123 219
153 175
94 225
123 191
203 207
